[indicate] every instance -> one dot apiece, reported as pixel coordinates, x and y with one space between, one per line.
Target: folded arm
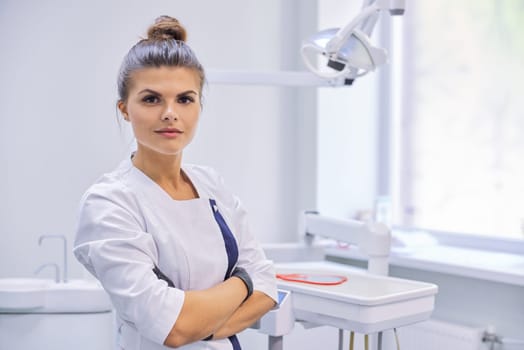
247 314
205 312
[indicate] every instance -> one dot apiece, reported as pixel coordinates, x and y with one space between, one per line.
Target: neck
166 172
160 168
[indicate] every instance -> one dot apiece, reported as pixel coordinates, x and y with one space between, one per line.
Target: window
459 139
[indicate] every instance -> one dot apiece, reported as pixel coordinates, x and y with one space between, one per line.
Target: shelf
276 78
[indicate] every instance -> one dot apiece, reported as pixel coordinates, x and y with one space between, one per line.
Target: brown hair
164 46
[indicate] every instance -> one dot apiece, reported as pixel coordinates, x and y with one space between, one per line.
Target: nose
169 113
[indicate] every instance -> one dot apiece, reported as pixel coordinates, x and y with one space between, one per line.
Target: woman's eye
186 99
151 99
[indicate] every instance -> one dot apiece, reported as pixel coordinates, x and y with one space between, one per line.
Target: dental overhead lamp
348 49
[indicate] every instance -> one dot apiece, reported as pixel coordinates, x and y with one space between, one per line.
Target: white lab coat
128 225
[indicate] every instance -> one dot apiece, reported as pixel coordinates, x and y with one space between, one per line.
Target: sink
77 296
22 294
34 295
72 315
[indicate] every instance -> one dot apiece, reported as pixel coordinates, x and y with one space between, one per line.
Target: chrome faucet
62 237
57 270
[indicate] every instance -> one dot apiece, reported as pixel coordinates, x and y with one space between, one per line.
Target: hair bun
166 28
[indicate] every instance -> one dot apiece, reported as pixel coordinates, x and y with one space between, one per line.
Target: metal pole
340 339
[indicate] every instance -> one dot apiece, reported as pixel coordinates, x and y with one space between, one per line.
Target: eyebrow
187 92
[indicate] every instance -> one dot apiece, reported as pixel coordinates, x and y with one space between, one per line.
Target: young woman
168 242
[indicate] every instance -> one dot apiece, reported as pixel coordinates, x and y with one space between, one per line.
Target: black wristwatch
244 276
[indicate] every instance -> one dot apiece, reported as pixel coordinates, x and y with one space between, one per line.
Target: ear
123 109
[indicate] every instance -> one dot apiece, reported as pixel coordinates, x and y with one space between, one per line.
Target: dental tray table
365 303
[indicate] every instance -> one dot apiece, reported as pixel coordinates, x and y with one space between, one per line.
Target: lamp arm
369 24
344 33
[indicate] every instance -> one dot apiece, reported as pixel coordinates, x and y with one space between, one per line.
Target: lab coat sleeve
112 244
251 255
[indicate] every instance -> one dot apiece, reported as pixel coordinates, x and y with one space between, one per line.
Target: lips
169 132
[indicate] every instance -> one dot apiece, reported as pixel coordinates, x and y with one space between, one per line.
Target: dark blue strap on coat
229 239
232 253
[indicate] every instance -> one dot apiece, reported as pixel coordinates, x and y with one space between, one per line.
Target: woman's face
163 106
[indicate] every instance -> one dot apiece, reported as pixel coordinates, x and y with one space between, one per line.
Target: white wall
58 123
